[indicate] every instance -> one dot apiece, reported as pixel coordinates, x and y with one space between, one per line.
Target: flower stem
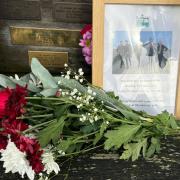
81 152
38 125
36 116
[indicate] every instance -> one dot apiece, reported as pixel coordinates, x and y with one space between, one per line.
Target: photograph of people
149 53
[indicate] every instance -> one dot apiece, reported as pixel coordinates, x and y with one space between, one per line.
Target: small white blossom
68 72
79 106
76 77
89 91
15 161
59 82
61 152
17 77
81 80
96 118
94 93
42 177
81 73
67 77
65 65
95 109
49 164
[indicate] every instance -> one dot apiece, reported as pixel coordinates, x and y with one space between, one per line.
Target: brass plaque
44 36
50 59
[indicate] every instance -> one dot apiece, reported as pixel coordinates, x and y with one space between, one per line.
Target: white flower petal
15 161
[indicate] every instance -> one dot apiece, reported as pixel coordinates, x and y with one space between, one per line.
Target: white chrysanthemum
15 161
49 164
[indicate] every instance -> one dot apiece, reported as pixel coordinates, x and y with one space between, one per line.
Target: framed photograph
136 52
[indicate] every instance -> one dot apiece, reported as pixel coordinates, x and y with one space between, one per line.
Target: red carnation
4 98
16 102
14 126
32 149
87 28
12 102
3 141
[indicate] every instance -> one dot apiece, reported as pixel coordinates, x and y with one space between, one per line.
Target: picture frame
99 43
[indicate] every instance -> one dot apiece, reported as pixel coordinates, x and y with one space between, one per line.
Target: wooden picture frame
98 38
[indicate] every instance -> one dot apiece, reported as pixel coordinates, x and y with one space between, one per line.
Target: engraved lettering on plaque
45 37
21 9
49 59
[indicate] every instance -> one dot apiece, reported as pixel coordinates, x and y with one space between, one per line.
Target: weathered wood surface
20 9
98 166
72 12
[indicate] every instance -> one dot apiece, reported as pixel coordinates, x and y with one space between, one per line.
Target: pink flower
86 44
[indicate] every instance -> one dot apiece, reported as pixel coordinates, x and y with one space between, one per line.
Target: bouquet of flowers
44 118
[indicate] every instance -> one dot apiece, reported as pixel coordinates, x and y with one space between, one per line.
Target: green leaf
65 144
5 81
52 132
49 92
167 120
123 134
99 135
133 150
61 110
31 87
154 147
70 84
172 121
44 76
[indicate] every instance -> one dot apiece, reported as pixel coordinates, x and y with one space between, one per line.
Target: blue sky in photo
120 36
164 36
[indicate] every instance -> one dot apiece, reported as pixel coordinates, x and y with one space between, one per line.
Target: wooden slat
178 95
72 12
21 9
98 45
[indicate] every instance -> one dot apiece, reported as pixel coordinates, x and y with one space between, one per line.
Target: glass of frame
136 48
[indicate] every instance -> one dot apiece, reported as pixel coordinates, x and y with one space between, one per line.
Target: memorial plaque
45 36
72 12
21 9
50 59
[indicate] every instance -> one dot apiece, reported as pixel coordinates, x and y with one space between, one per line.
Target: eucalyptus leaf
5 82
49 92
70 84
43 74
31 87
